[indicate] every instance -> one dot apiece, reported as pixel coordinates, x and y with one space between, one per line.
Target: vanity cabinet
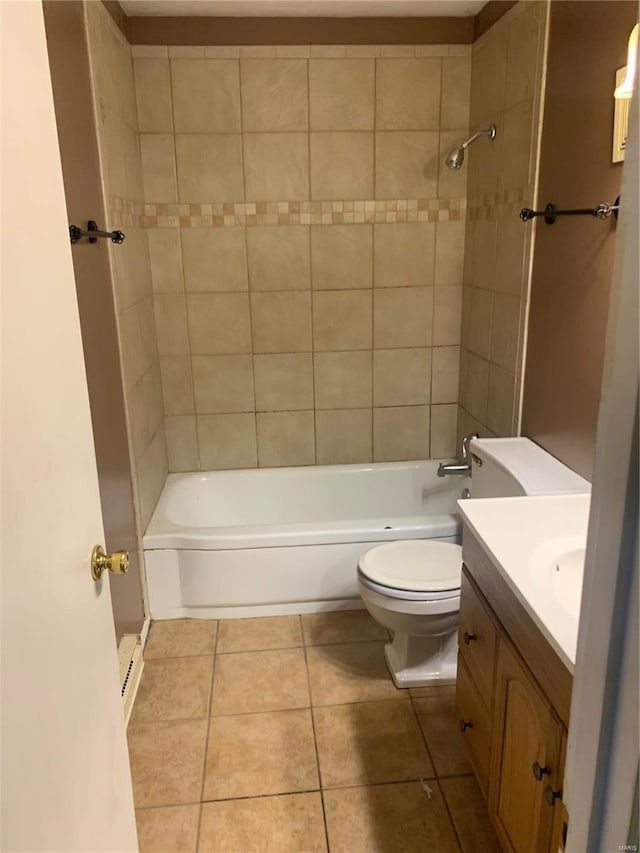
513 714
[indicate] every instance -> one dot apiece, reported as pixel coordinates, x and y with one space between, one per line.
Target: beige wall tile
153 95
274 94
219 323
342 379
171 323
285 438
281 321
480 322
283 382
444 422
158 167
278 257
341 165
447 315
483 269
177 385
451 183
206 95
404 254
522 50
341 94
449 252
505 329
186 51
401 377
445 374
476 387
227 441
152 470
402 317
182 443
149 51
342 319
407 164
488 77
223 384
501 401
401 432
343 436
276 166
485 159
341 256
511 256
456 92
209 167
516 167
214 259
165 259
408 94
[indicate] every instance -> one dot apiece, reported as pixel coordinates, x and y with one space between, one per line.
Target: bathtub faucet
462 468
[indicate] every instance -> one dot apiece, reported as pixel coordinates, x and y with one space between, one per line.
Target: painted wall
117 129
306 248
506 89
573 259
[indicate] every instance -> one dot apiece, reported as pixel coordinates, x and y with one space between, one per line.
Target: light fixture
625 90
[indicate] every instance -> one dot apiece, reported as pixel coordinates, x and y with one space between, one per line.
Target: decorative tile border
500 204
227 214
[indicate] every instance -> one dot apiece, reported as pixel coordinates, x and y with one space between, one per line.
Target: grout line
206 742
450 816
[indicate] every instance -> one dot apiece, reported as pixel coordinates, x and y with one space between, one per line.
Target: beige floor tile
287 824
170 830
398 818
180 638
342 626
250 635
437 715
469 812
167 761
255 754
373 742
260 681
435 690
175 689
354 672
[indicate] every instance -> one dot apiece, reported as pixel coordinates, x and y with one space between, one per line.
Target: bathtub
267 542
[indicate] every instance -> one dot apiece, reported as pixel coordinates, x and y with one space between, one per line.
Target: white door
65 780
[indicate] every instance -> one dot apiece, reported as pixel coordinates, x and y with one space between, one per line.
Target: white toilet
412 587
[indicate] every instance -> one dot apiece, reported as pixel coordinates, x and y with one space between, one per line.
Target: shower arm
490 132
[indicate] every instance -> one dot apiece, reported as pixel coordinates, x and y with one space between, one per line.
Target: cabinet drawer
477 639
475 724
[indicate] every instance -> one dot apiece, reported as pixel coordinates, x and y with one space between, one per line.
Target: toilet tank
507 467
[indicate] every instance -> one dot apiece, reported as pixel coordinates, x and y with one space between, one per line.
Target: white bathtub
267 542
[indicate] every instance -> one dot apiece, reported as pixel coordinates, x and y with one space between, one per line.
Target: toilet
412 587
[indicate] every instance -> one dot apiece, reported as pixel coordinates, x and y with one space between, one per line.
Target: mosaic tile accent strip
276 213
502 203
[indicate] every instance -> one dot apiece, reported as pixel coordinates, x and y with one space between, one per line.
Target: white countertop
537 544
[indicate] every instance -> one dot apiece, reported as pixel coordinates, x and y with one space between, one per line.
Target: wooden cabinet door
526 731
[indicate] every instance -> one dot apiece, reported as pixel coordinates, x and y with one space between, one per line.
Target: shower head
455 158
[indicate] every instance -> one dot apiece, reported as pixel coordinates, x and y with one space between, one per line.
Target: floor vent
131 665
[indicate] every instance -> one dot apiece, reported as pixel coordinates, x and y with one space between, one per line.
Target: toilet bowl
413 589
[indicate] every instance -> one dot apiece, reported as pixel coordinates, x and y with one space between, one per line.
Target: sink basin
559 565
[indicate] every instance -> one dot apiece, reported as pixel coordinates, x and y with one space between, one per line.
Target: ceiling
303 8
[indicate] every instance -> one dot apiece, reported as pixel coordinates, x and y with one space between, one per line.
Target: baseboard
144 633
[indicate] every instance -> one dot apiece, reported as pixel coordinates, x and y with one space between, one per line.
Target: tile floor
287 735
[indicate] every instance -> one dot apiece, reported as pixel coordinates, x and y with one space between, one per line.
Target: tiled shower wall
506 89
306 247
117 128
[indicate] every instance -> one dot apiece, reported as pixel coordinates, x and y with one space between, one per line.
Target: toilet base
422 661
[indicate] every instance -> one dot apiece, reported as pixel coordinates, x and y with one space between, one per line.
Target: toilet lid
417 565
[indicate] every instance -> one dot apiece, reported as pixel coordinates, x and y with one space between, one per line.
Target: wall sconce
625 78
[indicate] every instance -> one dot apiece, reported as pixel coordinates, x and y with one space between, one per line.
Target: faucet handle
465 445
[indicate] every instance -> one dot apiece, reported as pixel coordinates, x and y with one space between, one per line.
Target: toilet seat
418 569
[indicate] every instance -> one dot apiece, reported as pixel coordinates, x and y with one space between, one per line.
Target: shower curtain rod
600 211
93 232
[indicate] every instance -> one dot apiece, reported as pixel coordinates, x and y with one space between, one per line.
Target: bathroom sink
559 563
538 546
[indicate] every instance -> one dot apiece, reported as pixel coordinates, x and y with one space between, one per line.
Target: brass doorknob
118 562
